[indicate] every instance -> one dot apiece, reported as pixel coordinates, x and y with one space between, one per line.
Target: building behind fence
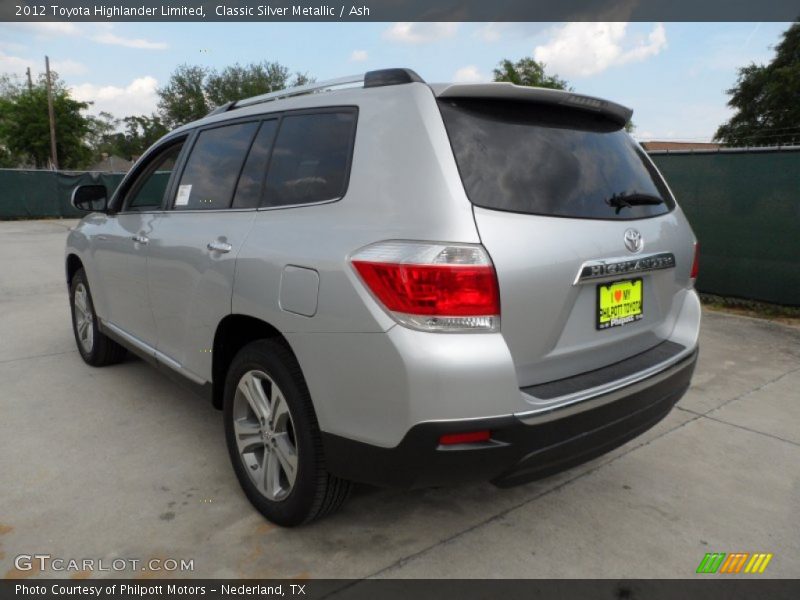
744 206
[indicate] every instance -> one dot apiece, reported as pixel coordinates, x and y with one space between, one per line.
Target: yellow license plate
619 303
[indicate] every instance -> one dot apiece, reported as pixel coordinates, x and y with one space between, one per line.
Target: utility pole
51 113
30 81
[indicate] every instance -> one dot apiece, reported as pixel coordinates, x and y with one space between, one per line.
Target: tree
7 160
183 99
101 134
141 132
527 71
193 91
237 82
25 127
138 133
767 99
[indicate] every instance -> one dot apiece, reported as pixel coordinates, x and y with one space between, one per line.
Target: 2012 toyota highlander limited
384 281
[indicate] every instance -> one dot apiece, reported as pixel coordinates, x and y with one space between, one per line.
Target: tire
95 348
273 437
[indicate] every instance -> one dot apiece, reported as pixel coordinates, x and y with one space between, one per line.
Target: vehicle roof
358 89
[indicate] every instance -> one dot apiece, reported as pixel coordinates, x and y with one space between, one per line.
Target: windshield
550 160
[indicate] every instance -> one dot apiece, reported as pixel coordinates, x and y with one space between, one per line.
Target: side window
251 181
310 161
146 192
213 167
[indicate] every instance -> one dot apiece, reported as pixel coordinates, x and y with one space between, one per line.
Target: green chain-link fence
35 194
744 207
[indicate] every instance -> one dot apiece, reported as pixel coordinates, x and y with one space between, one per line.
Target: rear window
548 160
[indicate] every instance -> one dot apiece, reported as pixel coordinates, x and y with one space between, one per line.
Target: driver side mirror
90 198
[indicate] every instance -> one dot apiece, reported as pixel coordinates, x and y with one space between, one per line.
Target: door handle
141 239
221 247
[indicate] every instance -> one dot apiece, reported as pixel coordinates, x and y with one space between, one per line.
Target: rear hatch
560 191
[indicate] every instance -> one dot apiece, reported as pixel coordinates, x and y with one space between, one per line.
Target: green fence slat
31 194
744 208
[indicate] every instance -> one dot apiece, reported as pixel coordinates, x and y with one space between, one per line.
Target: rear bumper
521 449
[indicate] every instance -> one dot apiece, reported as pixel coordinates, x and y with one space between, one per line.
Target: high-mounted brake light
695 263
432 287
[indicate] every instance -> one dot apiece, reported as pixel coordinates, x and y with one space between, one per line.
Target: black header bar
399 10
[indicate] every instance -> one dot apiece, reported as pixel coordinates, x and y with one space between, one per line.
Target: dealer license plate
619 303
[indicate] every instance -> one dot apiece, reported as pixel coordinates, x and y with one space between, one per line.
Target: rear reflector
432 287
695 262
450 439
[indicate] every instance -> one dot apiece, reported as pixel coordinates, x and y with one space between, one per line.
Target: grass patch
788 315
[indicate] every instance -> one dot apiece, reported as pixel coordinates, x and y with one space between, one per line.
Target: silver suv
384 281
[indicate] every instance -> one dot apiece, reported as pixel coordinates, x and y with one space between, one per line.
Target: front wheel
95 348
273 437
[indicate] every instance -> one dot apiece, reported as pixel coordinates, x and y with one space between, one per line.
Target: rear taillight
695 263
432 287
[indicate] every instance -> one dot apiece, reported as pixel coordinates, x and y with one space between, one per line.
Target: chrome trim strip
619 266
176 366
547 403
159 356
132 340
605 394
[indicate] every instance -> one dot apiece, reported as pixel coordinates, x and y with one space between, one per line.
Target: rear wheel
95 348
273 437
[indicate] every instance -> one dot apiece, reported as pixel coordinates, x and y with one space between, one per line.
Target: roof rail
369 79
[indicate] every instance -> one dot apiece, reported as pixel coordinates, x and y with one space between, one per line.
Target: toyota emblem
634 241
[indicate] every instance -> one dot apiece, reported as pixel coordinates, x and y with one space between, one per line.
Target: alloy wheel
84 319
265 438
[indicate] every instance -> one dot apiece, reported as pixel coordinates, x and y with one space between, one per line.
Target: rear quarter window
310 159
251 181
548 160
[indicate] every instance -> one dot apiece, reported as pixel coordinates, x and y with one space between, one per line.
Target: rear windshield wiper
625 200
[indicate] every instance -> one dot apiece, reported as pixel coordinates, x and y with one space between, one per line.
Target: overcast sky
674 75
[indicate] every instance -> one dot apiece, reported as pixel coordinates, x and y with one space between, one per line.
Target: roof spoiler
509 91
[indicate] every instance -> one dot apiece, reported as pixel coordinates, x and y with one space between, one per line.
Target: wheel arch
233 333
73 265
